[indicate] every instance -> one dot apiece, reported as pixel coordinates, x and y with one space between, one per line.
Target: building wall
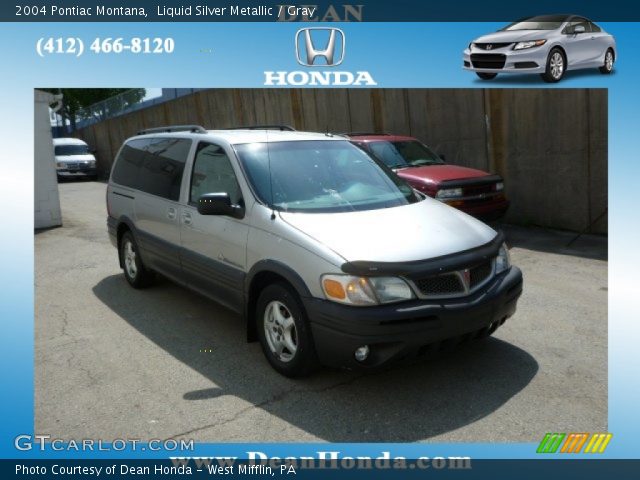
550 145
47 201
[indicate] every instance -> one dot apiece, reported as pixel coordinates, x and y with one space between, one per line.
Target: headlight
470 45
503 262
59 165
530 44
499 186
361 291
448 193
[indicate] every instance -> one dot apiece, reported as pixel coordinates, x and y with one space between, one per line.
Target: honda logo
316 43
489 46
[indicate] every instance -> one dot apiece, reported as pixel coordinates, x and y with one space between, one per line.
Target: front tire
486 76
607 68
135 272
284 331
556 66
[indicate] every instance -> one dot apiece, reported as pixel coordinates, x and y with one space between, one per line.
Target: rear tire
284 331
556 66
609 59
486 76
135 272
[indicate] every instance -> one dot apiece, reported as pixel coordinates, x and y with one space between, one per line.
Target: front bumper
487 211
405 329
529 60
84 172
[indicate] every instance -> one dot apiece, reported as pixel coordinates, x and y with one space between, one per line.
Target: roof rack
174 128
282 128
361 134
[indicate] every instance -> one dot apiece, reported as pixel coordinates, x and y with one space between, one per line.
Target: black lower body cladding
403 329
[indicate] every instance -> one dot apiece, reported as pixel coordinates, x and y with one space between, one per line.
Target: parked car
74 158
326 255
545 44
473 191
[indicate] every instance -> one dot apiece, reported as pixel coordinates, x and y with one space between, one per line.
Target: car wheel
284 332
486 76
556 66
608 62
135 272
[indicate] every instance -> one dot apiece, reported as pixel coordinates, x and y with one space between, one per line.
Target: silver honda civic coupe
545 44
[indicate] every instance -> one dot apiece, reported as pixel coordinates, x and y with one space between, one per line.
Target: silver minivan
327 256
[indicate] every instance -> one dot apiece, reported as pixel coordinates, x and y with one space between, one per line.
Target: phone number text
76 46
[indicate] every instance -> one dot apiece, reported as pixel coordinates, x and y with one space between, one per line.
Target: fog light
362 353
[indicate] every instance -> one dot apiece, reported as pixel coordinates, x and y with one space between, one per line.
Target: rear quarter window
153 165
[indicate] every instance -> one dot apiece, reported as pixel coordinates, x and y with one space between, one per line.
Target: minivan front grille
455 283
445 284
479 273
488 60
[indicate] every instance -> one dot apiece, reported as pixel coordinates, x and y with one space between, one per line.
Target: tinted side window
213 173
127 166
594 27
162 167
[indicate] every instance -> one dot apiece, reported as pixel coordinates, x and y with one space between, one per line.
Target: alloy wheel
130 259
608 61
557 65
280 331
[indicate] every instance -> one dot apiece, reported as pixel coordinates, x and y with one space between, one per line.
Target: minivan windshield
317 176
66 150
404 154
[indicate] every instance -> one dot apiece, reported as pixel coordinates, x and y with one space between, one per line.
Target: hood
513 36
418 231
75 158
439 173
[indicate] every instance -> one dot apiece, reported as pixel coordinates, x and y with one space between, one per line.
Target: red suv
473 191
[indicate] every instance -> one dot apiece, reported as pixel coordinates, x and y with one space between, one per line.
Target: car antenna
273 211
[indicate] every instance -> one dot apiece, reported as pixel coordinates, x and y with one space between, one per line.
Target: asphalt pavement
114 362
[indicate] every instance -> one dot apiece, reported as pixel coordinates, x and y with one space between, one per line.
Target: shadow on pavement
401 404
555 241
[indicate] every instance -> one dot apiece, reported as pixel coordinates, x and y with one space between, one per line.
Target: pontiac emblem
466 276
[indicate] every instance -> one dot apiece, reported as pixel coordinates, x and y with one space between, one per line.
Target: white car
546 44
74 158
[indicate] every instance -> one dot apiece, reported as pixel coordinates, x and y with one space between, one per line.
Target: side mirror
578 29
219 204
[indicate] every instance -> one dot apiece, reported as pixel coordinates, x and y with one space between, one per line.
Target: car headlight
499 186
59 165
362 291
529 44
503 261
470 45
448 193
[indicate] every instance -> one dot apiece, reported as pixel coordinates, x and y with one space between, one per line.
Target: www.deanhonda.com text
321 460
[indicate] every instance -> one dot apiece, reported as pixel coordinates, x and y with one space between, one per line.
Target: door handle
172 213
186 218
